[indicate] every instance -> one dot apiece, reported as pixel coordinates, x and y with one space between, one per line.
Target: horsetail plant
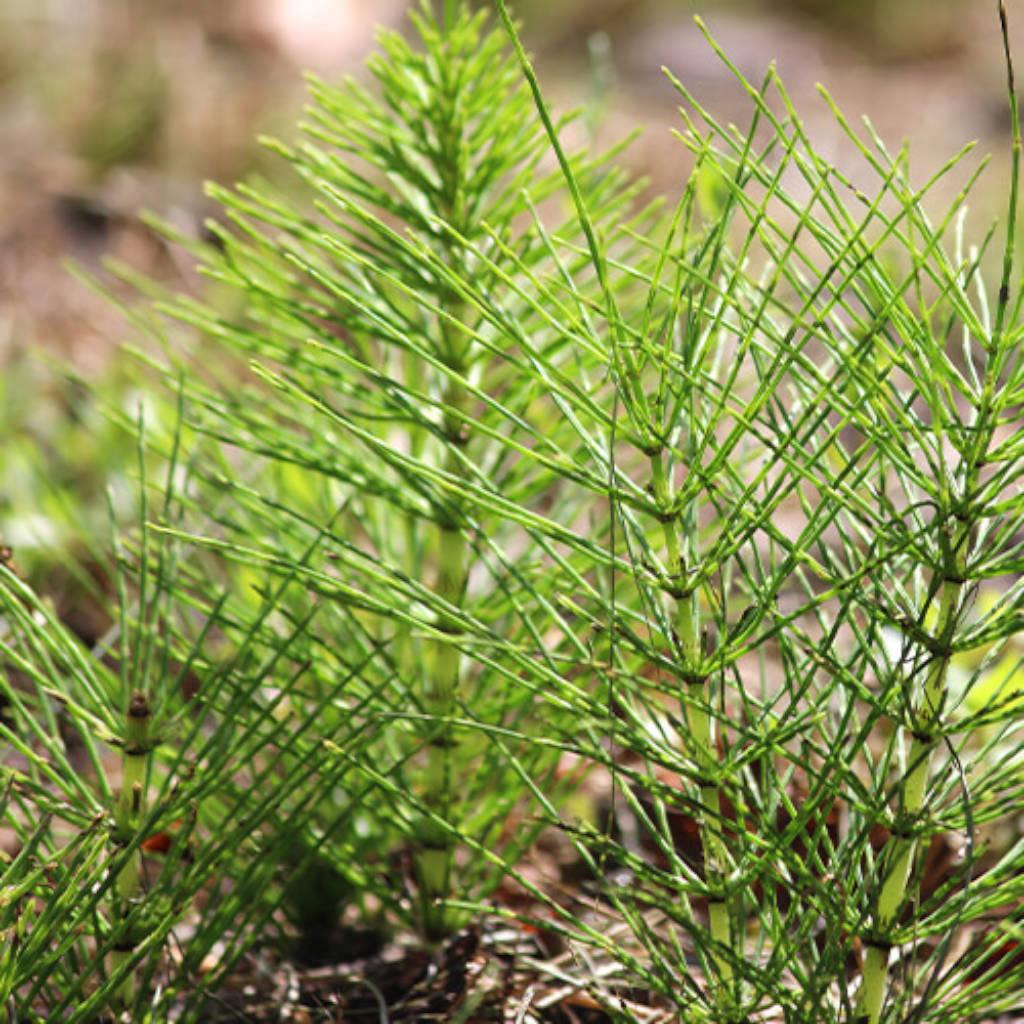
977 509
62 708
402 413
137 777
835 385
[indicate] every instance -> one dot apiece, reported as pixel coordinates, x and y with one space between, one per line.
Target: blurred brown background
111 106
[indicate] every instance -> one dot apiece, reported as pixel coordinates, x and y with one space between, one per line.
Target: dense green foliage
477 476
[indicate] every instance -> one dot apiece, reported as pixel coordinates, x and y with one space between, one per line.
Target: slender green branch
1009 250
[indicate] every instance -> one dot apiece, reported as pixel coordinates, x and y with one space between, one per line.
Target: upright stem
701 725
445 666
128 810
898 856
445 669
443 681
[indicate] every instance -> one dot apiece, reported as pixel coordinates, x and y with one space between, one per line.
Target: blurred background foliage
110 107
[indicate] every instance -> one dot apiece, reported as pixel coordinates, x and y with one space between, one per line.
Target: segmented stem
128 810
701 726
445 662
440 697
899 853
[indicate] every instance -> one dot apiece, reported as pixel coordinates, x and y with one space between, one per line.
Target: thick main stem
131 803
445 666
899 853
687 627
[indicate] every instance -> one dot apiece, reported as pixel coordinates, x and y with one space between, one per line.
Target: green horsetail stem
445 667
434 863
128 810
687 626
899 853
